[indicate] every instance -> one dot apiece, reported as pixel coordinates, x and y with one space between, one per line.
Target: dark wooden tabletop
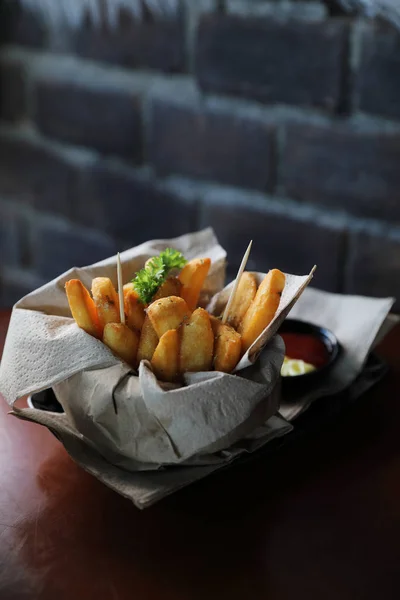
320 522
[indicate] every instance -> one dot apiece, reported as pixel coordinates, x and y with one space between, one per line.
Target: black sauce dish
311 343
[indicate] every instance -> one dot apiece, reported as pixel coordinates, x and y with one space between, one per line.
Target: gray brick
35 173
13 91
345 167
15 284
59 245
201 140
155 42
11 233
128 205
98 116
18 25
293 62
374 265
280 240
377 82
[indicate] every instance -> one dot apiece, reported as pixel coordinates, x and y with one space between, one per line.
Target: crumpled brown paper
154 425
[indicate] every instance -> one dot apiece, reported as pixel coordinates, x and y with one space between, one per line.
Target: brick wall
275 121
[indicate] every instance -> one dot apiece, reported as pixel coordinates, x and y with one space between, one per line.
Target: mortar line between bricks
218 194
41 61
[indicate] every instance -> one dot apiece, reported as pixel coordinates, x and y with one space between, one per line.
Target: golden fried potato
171 287
134 309
197 342
128 287
244 296
263 308
227 346
106 300
122 341
148 341
192 278
165 361
167 313
83 308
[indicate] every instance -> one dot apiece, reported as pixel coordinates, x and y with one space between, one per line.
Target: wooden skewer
237 281
120 290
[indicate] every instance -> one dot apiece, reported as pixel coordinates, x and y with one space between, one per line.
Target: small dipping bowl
315 345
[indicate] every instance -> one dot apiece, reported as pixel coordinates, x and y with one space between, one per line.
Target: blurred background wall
277 121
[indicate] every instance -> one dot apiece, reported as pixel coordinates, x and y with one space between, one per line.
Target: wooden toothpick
237 281
120 290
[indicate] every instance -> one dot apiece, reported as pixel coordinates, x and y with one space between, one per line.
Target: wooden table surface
322 522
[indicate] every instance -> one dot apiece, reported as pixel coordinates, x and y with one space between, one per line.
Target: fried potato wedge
165 361
83 308
122 341
263 308
227 346
197 343
192 278
134 309
148 341
167 313
244 296
106 300
171 287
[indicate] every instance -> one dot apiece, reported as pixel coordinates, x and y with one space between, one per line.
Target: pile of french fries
172 332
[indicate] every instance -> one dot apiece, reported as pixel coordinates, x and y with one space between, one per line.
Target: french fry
227 346
134 309
122 341
165 361
148 341
83 308
171 287
128 287
167 313
197 342
263 308
244 296
106 300
192 278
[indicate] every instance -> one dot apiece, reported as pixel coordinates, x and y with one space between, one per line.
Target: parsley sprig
153 275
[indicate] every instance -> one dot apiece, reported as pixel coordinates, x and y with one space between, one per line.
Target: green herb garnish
172 259
152 276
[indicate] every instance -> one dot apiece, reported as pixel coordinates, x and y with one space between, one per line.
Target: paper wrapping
154 425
